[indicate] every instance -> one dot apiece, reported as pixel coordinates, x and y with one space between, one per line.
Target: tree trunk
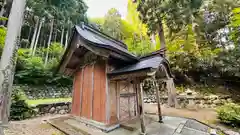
29 34
34 36
2 9
8 59
55 38
162 37
153 41
62 36
36 42
49 42
66 41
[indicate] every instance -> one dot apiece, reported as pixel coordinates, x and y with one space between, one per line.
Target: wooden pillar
118 99
135 86
129 107
158 102
141 108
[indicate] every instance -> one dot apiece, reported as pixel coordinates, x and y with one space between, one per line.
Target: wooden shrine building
107 87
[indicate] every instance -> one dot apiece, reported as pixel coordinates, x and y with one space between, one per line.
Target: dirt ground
38 126
204 115
35 126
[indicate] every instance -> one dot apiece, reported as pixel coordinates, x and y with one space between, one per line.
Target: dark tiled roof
101 40
144 63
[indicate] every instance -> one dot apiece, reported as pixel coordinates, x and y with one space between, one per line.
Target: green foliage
20 110
56 50
133 33
229 114
31 70
235 26
3 34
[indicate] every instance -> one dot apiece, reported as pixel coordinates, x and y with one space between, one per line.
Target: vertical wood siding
76 93
99 93
87 92
89 95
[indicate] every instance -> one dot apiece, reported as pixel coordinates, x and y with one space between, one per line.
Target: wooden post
118 99
158 102
141 108
129 107
136 90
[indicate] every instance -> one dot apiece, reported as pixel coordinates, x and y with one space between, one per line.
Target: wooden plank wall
89 95
99 93
86 92
76 93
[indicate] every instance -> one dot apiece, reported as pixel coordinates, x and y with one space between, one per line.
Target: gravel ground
35 126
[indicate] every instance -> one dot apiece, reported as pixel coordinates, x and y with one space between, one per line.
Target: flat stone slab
170 126
196 125
190 131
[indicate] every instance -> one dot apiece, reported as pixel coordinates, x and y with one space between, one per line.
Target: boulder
189 92
52 110
229 100
65 107
217 102
58 108
62 112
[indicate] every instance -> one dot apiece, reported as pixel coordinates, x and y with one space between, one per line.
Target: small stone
149 101
65 107
201 106
62 112
213 106
52 110
197 101
213 97
213 132
229 100
59 108
189 92
223 101
202 102
208 102
217 102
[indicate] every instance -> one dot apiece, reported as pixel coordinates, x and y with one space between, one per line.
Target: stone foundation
186 101
54 108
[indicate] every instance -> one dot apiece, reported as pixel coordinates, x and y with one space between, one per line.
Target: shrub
229 114
20 110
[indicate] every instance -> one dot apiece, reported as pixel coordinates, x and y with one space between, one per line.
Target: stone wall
54 108
193 101
43 92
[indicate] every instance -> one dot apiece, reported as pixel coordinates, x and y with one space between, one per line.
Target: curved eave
107 46
146 64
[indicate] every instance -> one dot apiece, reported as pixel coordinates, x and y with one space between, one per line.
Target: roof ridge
104 35
158 52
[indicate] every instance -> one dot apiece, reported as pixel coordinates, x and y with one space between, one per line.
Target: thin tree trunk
2 9
49 42
66 41
153 41
30 32
8 59
34 36
162 38
36 42
62 36
55 38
